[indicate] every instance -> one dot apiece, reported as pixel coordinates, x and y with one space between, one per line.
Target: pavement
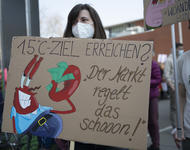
166 139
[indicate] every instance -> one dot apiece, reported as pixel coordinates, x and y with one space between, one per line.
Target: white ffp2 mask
83 30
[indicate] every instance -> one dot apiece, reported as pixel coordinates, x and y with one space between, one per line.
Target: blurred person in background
163 85
184 100
153 126
3 82
169 77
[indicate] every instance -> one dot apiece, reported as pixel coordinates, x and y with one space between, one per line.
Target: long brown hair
99 32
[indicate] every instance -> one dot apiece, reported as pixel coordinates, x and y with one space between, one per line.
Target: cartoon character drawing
153 16
70 76
28 115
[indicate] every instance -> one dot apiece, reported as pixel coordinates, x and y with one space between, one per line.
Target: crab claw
69 85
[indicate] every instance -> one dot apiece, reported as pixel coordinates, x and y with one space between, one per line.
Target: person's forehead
84 13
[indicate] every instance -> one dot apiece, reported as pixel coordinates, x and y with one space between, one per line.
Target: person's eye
84 20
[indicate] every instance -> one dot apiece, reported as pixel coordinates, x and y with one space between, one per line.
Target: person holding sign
184 99
84 22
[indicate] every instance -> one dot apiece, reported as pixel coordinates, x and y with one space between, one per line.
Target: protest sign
88 90
158 13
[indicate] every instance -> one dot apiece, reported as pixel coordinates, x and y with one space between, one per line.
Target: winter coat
155 80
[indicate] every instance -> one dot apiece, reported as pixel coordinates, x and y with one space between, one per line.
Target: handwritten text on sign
65 48
164 12
111 101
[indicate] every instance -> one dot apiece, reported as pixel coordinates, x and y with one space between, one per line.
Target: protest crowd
84 22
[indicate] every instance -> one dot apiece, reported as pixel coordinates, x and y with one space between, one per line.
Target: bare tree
51 26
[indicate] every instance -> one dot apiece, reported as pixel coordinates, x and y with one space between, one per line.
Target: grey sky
111 12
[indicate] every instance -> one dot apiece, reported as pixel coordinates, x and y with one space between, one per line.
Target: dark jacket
155 80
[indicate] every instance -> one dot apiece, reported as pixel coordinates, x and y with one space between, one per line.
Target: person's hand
172 86
178 140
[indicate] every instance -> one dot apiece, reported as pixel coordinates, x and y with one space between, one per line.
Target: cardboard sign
158 13
93 91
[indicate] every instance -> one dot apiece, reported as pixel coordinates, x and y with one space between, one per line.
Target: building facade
161 36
